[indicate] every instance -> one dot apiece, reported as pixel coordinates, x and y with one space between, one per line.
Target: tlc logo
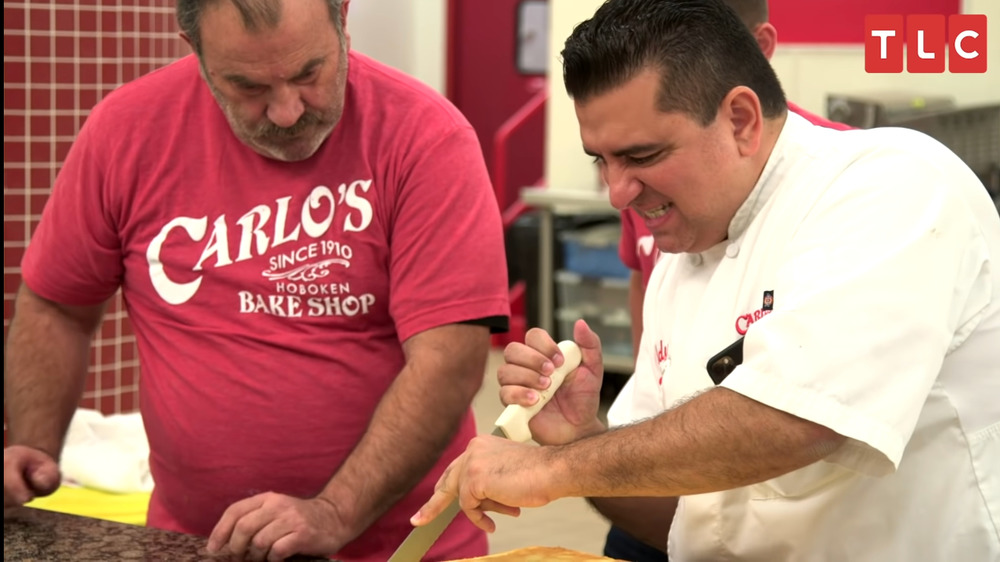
927 44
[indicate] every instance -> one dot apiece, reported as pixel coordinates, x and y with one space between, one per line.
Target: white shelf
568 201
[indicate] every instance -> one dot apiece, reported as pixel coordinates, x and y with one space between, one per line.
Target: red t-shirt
636 247
269 299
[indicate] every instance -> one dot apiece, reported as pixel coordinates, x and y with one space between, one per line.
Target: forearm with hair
718 440
413 424
45 366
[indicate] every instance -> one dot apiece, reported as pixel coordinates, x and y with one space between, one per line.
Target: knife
512 424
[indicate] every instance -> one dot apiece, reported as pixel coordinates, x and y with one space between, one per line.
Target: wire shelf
971 133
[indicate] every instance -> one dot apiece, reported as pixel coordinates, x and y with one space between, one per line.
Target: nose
623 187
285 106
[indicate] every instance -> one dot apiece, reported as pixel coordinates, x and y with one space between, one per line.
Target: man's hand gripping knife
512 424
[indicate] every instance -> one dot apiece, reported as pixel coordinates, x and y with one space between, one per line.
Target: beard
287 144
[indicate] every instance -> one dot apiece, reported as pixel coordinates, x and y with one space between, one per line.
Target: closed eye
307 77
309 72
244 85
638 155
250 89
640 160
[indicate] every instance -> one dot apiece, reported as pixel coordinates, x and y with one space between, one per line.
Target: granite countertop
33 535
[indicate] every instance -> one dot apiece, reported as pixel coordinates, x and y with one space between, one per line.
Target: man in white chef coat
820 362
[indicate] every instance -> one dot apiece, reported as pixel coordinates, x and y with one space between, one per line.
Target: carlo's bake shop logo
300 256
744 321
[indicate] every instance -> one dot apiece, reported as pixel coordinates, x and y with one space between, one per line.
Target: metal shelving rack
973 133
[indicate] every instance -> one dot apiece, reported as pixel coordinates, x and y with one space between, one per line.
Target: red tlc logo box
927 43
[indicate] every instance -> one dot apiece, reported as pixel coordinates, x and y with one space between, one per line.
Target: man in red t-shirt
637 251
312 257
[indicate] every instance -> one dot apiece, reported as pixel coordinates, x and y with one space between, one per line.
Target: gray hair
256 15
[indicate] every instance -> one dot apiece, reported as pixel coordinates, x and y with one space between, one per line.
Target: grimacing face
684 179
282 90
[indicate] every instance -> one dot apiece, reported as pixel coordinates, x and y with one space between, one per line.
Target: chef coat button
732 250
696 259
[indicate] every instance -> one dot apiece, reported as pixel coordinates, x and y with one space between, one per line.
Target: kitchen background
492 59
497 60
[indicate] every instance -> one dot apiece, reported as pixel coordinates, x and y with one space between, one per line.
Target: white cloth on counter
107 453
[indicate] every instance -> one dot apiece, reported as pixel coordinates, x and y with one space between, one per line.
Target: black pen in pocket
725 361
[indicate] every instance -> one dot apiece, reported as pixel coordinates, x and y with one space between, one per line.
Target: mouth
655 212
285 134
303 128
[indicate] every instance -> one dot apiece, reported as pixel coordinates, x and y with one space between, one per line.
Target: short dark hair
751 12
255 15
700 48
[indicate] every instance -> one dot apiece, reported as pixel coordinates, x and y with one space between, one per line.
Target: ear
767 38
343 22
741 109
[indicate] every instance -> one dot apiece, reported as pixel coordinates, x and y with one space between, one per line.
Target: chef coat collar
766 183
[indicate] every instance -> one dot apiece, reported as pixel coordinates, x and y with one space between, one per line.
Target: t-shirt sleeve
628 245
74 256
447 250
887 275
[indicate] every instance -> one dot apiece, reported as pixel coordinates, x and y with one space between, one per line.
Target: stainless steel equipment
973 133
880 109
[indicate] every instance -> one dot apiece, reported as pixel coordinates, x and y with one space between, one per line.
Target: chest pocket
724 362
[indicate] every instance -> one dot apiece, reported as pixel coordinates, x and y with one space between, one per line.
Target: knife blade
512 424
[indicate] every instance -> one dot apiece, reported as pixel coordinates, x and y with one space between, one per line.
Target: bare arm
45 366
414 422
646 519
716 441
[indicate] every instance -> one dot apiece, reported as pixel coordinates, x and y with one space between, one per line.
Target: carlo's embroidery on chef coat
298 243
663 360
744 321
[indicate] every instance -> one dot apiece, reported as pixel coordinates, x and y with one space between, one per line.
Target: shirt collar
768 180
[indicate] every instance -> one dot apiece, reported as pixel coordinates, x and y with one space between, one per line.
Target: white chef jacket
879 251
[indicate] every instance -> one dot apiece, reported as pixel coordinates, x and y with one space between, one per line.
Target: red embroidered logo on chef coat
744 321
662 359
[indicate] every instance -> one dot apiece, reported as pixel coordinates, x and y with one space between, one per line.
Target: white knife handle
514 419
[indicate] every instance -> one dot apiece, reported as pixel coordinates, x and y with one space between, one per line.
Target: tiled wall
59 59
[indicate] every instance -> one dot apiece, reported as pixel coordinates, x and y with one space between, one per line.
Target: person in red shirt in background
637 251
